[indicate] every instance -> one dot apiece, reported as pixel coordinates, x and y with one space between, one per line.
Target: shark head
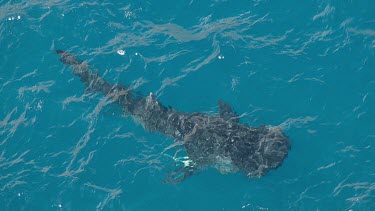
256 158
231 147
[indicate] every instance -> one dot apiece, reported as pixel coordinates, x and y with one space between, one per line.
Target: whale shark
220 141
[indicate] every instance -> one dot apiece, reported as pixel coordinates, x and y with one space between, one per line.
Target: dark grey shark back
222 142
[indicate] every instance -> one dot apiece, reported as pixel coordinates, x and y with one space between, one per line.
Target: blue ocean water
307 67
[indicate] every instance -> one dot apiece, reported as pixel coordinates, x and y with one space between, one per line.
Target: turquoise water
307 67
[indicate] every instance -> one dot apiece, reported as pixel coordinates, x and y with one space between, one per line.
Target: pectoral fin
180 174
226 111
187 169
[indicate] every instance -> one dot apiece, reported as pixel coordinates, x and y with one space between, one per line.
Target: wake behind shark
219 141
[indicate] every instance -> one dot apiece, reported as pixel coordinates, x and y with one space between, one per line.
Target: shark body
219 141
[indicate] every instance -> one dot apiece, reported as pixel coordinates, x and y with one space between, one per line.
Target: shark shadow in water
218 141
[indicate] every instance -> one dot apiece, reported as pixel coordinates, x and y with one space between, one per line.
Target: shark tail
68 58
93 82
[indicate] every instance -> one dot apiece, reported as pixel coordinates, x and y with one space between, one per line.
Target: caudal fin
68 58
60 51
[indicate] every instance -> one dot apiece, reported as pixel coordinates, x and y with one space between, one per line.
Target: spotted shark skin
218 141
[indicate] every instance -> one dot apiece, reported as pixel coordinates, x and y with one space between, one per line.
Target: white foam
121 52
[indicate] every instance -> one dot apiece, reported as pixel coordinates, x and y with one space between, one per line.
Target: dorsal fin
226 111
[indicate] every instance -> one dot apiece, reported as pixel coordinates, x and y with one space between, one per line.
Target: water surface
307 67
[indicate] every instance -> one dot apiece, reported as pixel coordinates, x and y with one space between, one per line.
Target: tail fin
93 82
68 58
60 51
